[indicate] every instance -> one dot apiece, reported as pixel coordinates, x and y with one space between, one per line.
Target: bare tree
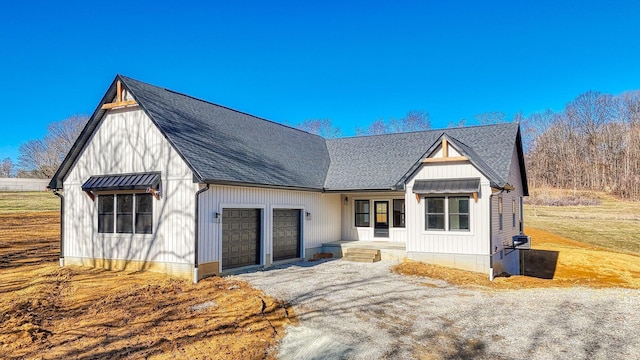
378 127
42 157
322 127
416 120
535 125
6 168
460 123
593 144
491 117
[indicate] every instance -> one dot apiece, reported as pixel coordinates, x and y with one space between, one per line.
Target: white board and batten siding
349 229
126 141
507 259
322 224
464 249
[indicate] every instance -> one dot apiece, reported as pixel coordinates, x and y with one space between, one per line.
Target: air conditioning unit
522 242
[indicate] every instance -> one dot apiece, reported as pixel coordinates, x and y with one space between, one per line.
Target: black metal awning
447 186
138 181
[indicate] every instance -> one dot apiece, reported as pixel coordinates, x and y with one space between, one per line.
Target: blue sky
352 62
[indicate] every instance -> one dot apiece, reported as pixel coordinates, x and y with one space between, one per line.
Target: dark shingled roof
225 146
386 161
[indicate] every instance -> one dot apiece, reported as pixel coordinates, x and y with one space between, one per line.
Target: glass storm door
381 224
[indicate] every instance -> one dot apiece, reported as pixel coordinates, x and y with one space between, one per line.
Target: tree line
591 144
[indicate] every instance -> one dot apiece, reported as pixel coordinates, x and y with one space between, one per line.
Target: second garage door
240 238
286 234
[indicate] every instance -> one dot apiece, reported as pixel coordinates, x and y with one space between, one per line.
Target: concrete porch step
362 255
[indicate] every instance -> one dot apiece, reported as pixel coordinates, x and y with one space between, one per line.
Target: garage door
286 234
240 238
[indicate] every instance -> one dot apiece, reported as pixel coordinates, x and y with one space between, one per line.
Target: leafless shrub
558 199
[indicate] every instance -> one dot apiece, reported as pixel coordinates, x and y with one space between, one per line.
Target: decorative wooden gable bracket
445 155
154 192
120 102
91 195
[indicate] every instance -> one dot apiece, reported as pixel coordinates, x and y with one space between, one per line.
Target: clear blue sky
352 62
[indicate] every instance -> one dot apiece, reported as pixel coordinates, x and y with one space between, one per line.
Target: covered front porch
389 250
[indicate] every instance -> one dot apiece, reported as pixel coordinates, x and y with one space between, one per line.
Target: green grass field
17 202
614 224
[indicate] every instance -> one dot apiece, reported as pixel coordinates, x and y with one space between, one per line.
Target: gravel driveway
362 311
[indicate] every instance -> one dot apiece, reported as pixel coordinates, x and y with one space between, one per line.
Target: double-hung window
125 213
398 213
435 213
448 213
362 213
459 213
105 213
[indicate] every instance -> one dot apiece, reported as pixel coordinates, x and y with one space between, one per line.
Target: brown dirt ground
50 312
554 261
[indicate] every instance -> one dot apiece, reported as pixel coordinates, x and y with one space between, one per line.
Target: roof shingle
225 146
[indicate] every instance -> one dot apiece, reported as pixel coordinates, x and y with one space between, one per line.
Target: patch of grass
19 202
614 224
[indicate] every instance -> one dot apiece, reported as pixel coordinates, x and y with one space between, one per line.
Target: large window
398 213
447 213
362 213
116 213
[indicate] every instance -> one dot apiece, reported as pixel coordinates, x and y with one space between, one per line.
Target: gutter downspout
197 217
56 193
490 237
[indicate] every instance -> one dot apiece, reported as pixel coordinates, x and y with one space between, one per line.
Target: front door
381 222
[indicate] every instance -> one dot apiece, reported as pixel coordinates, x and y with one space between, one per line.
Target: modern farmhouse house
163 181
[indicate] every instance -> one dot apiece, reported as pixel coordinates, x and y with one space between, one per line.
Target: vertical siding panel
452 243
324 208
117 147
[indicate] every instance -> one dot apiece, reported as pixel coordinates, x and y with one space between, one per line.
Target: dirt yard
48 312
554 261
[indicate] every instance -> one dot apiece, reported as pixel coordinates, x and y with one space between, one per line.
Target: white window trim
446 232
115 234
